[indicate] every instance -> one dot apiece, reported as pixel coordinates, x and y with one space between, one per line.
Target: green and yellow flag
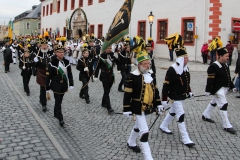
10 28
120 24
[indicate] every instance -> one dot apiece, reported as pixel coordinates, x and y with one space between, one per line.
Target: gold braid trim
166 82
129 90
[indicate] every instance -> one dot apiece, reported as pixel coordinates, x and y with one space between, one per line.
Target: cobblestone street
91 134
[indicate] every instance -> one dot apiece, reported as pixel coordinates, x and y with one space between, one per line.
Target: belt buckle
61 81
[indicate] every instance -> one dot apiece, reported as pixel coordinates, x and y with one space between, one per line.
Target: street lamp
150 19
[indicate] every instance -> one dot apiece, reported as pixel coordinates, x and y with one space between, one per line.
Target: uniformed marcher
124 64
25 64
176 87
42 59
141 98
148 48
92 51
16 48
59 79
218 84
7 55
85 66
107 77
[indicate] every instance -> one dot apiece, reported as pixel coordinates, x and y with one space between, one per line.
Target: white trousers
220 99
177 108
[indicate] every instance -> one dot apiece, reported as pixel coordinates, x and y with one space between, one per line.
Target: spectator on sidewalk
213 56
170 53
204 51
237 71
230 49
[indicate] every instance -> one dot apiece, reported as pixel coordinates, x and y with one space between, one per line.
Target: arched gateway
78 24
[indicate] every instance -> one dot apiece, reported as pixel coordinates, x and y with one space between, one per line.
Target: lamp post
150 19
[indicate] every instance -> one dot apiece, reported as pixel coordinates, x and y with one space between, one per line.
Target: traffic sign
189 26
236 26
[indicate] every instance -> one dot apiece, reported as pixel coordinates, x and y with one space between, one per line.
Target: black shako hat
222 51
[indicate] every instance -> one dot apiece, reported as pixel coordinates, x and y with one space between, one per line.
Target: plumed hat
215 44
174 41
139 44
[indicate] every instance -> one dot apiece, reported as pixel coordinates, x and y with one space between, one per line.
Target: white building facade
198 21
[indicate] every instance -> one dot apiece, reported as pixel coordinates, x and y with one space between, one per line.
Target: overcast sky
11 8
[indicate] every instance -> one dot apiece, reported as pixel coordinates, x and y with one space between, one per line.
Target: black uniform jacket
134 94
176 86
124 60
28 64
44 59
7 54
218 77
105 71
58 83
82 63
92 52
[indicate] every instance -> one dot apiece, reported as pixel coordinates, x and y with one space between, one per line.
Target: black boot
44 108
230 130
82 96
135 148
110 111
61 123
87 100
208 119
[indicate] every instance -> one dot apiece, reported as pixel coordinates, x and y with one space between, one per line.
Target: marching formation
51 61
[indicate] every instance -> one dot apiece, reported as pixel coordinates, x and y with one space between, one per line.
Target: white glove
71 87
95 79
47 91
23 67
234 90
164 104
160 109
35 59
190 95
96 56
132 65
118 71
127 114
86 69
207 93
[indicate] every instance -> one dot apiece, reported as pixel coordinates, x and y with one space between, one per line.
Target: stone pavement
91 134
